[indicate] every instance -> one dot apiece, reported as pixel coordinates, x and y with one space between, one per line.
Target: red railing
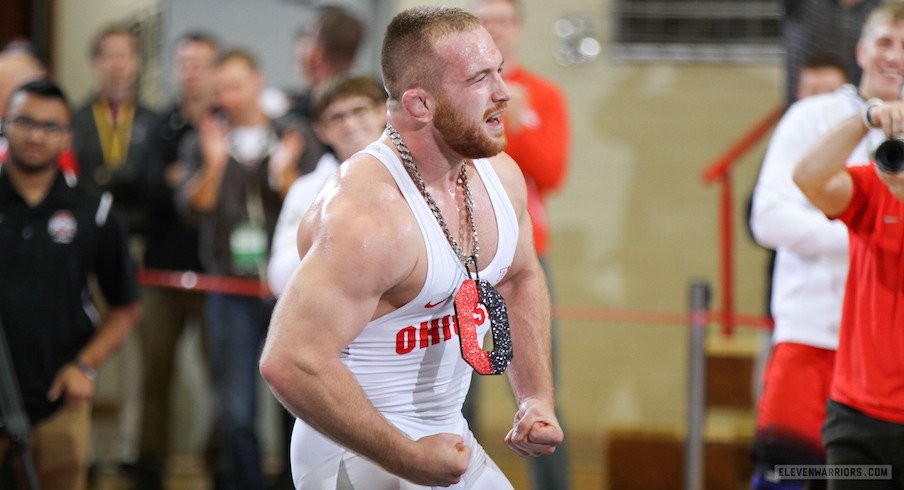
204 283
720 170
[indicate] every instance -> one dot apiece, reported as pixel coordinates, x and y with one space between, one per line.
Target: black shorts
853 438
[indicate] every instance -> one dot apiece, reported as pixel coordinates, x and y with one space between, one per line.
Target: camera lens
890 156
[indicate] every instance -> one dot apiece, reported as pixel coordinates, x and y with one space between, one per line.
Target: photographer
811 255
865 413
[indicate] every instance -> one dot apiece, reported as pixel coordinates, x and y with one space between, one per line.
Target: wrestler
364 345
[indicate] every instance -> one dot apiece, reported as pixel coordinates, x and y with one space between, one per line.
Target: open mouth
495 119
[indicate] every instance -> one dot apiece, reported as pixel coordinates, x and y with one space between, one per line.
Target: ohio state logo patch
62 227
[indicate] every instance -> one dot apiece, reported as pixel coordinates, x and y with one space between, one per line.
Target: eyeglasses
27 124
355 114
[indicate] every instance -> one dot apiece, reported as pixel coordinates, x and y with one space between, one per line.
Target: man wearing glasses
54 236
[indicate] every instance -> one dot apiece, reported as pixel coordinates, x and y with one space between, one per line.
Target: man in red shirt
536 124
865 413
539 139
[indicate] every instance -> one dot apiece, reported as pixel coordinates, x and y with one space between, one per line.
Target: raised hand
283 162
214 141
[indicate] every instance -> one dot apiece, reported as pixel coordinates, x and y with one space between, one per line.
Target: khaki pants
60 448
166 314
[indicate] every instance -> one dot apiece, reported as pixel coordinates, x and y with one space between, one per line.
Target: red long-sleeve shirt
541 146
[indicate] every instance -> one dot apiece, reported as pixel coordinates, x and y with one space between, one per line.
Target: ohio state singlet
408 362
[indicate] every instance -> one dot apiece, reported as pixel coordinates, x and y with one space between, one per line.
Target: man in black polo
54 236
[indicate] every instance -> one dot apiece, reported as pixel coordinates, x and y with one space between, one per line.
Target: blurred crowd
204 198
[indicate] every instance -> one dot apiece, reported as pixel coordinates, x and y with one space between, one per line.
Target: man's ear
316 56
418 104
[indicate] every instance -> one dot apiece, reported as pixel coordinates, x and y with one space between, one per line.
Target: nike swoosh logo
890 220
434 305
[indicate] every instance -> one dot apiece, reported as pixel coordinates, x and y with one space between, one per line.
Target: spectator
237 176
17 67
539 139
350 113
324 49
827 26
171 245
820 75
810 267
55 237
109 131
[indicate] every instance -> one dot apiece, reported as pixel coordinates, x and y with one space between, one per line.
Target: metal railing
720 171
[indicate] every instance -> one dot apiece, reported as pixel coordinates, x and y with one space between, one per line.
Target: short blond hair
892 12
407 58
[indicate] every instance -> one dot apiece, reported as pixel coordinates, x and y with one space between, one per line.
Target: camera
890 155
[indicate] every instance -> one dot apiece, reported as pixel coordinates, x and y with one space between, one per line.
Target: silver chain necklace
419 182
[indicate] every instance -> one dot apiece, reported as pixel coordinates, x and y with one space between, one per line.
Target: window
697 30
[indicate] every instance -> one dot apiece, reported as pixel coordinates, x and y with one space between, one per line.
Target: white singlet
408 362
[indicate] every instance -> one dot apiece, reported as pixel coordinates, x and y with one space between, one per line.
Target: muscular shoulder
361 220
